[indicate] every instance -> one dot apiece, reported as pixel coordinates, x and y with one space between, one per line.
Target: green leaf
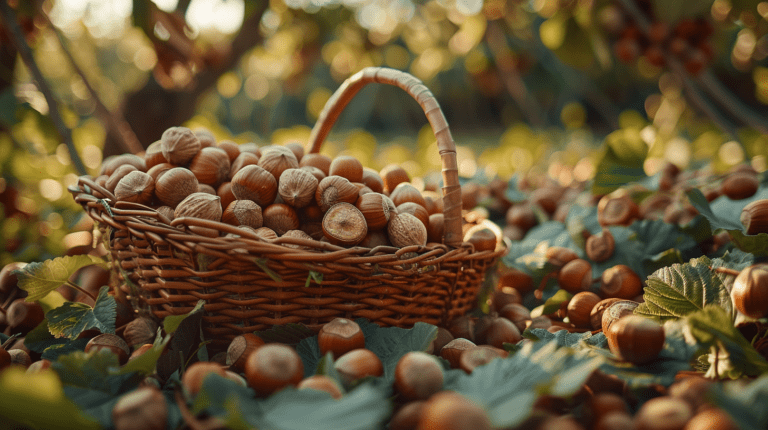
262 263
185 332
53 352
680 289
564 338
713 327
622 161
744 403
326 367
97 370
537 368
146 363
40 278
314 276
172 322
37 400
513 193
72 318
554 303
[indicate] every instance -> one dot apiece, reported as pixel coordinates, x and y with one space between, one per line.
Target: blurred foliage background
540 86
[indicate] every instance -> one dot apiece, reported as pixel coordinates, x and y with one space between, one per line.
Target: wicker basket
251 284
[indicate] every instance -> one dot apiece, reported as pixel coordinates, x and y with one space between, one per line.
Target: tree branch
9 17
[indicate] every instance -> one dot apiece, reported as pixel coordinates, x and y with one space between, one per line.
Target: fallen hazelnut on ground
596 314
479 356
612 314
580 308
754 217
140 331
452 350
321 383
620 281
418 376
357 364
575 276
144 408
112 343
712 419
407 416
636 339
740 185
617 210
750 291
273 367
559 256
340 336
662 413
448 410
240 348
599 247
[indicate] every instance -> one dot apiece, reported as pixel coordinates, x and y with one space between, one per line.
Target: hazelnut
662 413
617 210
297 148
205 136
297 234
479 356
297 187
596 314
23 316
37 366
405 192
502 297
620 281
372 180
20 357
514 278
501 331
144 408
393 175
243 212
559 256
754 217
344 224
117 175
110 164
517 313
416 210
740 185
521 215
317 173
242 160
225 192
321 383
280 218
112 343
348 167
273 367
276 159
712 419
599 247
613 313
575 276
436 228
256 184
340 336
138 352
199 205
375 238
159 170
179 145
636 339
463 326
377 209
140 331
405 230
210 166
265 233
418 376
240 348
603 404
448 410
407 416
580 308
193 377
750 291
452 350
482 238
175 185
322 162
357 364
231 148
136 187
335 189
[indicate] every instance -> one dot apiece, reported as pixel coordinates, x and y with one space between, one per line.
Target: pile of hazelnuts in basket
278 191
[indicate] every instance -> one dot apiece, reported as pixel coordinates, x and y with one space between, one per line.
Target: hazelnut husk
136 187
344 224
243 212
179 145
256 184
175 185
297 187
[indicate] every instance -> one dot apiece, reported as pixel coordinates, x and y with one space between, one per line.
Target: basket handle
416 89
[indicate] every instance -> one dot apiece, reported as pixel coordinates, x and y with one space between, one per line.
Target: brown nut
393 175
276 159
377 209
322 162
615 312
335 189
575 276
154 155
372 180
231 148
636 339
754 217
242 160
179 145
347 167
143 408
418 376
140 331
448 410
199 205
210 166
740 185
344 224
620 281
599 247
136 187
117 175
243 212
750 291
273 367
357 364
240 348
405 230
406 192
596 314
112 343
280 218
193 377
617 210
256 184
297 187
340 336
580 308
175 185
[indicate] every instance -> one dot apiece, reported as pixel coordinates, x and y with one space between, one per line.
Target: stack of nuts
278 191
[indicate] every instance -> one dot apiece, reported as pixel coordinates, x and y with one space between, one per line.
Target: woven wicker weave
249 283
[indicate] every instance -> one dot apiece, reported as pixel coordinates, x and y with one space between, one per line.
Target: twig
128 139
81 289
727 100
9 17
